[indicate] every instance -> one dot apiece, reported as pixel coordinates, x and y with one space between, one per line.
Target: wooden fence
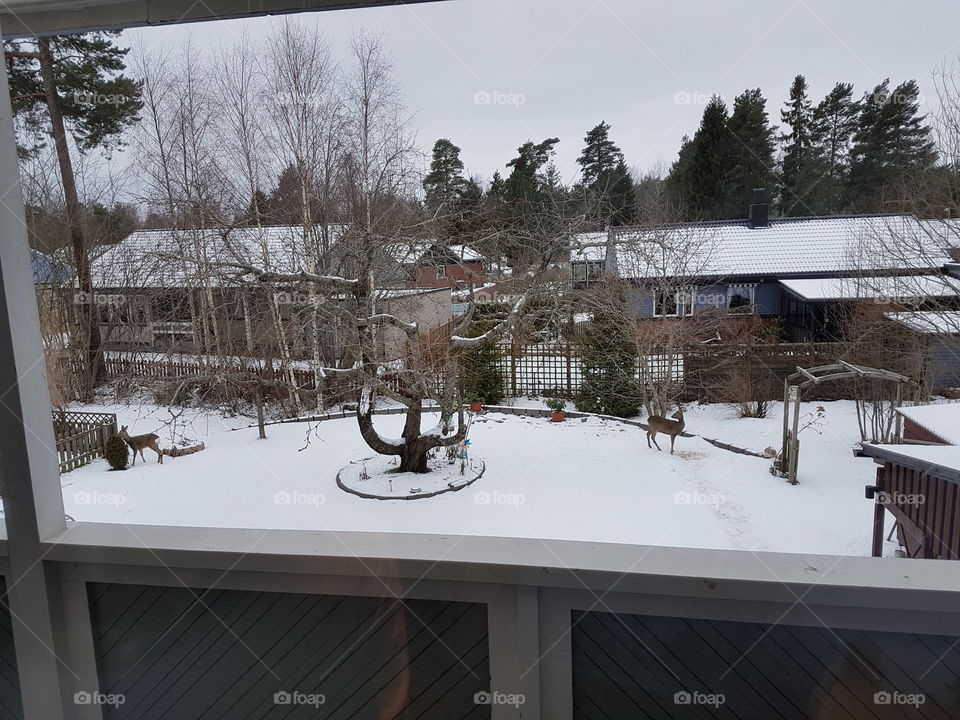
709 372
81 436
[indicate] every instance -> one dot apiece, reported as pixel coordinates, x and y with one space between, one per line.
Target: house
176 291
931 424
452 266
934 337
803 271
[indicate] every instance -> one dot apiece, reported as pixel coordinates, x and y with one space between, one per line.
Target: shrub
482 376
608 382
116 452
556 404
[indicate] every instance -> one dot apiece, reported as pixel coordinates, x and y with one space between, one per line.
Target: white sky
644 67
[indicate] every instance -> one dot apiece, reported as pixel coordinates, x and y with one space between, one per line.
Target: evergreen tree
891 142
751 151
834 122
600 154
606 182
608 382
73 84
707 191
497 187
798 148
445 182
525 183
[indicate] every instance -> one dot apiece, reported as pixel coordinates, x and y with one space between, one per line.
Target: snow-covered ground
587 480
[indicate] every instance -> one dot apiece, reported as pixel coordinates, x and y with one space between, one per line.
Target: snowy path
593 480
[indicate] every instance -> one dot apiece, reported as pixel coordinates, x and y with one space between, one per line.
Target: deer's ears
123 428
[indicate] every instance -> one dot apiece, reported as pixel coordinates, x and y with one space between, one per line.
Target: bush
556 404
116 452
482 376
608 383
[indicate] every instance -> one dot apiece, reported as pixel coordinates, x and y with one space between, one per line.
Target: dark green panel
184 654
633 666
11 705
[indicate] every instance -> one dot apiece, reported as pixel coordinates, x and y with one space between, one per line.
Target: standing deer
657 424
138 442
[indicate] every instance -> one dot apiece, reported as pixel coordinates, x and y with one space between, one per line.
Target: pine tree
600 154
797 151
497 187
890 143
751 150
608 382
525 182
834 122
705 185
73 84
445 182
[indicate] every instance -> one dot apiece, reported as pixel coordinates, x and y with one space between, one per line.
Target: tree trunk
91 351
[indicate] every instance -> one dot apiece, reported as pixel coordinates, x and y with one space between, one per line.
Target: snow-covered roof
891 287
589 247
787 246
943 419
931 322
922 457
465 253
395 293
176 258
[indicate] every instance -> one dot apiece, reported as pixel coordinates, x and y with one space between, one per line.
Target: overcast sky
490 74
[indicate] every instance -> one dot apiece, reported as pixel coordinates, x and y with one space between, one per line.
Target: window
441 271
673 303
741 297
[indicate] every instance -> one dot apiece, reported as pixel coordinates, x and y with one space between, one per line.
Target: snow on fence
81 436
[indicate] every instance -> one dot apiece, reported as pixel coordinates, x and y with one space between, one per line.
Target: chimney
758 216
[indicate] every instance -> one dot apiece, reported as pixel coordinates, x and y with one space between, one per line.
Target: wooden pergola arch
794 384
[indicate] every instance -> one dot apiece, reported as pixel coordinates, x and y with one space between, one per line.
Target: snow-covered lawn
586 480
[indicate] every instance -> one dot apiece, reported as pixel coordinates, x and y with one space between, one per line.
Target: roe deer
138 442
657 424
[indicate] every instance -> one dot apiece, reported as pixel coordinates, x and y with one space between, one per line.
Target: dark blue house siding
944 362
709 297
224 654
11 706
663 668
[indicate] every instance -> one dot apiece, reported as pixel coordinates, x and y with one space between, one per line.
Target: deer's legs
159 453
673 439
653 436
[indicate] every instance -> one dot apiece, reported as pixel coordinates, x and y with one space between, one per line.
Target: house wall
456 275
912 432
430 311
943 369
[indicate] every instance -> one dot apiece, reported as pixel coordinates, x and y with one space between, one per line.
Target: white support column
556 655
32 500
514 637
